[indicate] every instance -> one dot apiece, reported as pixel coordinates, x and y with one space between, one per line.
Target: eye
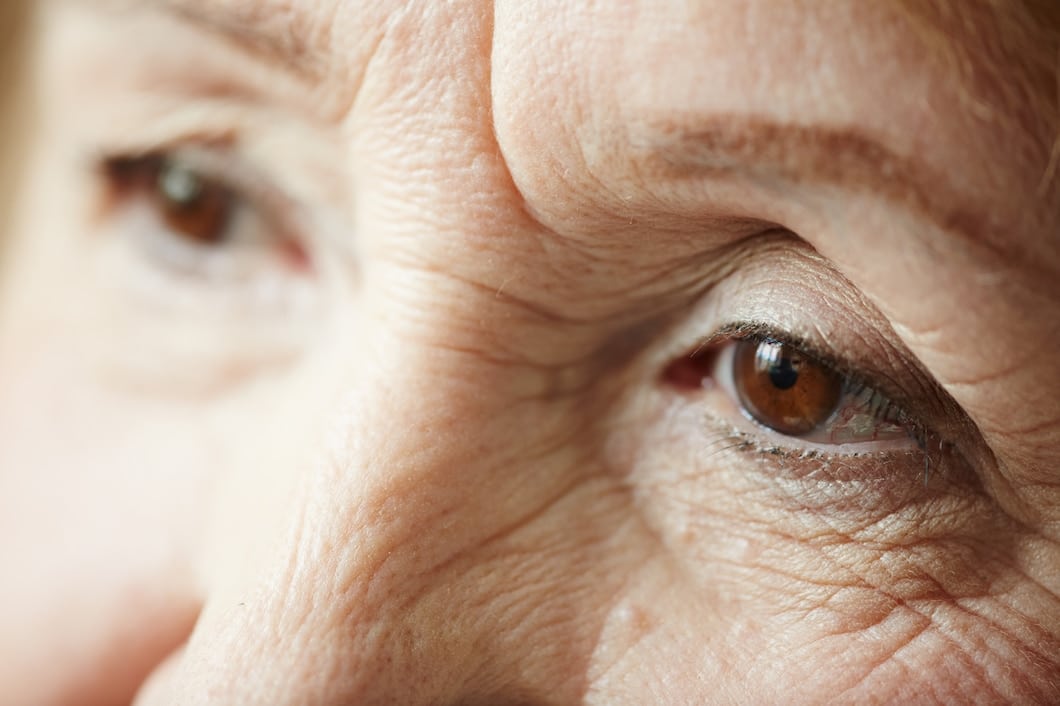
192 206
201 213
791 393
201 267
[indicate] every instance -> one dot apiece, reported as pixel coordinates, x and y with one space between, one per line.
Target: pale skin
442 463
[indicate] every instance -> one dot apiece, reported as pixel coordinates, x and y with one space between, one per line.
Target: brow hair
759 148
1007 50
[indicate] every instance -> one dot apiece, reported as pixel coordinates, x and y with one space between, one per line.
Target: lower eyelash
820 462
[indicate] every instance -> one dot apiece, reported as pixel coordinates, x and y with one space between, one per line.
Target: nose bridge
427 471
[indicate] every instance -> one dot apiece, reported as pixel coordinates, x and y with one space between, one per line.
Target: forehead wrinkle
849 158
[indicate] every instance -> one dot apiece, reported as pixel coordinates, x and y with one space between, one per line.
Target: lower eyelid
862 487
865 480
182 258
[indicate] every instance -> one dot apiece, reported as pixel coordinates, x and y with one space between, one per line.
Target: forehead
626 74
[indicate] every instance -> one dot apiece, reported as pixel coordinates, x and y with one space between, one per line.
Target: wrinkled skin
444 465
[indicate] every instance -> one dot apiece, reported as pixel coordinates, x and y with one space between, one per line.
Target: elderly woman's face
448 353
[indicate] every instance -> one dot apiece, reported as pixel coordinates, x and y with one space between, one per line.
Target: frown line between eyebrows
846 157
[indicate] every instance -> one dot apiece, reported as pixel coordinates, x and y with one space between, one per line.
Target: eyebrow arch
277 31
756 147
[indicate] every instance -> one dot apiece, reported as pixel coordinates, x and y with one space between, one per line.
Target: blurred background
14 103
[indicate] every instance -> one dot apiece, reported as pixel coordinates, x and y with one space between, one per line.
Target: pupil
784 373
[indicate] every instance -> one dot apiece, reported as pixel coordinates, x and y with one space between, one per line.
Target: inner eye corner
693 369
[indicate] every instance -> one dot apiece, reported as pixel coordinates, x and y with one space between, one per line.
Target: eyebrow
726 145
276 31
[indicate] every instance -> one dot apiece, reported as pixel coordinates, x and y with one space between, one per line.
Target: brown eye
192 207
783 388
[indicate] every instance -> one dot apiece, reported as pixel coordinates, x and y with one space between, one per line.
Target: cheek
757 570
72 447
97 509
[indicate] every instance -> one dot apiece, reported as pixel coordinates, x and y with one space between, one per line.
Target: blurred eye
191 205
202 264
198 212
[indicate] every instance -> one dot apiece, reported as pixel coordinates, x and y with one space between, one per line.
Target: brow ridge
846 157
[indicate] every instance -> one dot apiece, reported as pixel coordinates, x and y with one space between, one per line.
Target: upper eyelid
757 330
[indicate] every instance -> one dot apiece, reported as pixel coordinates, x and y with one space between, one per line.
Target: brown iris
193 207
783 388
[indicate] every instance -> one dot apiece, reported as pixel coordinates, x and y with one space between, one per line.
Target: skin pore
408 433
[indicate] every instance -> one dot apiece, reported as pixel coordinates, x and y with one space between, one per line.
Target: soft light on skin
453 472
